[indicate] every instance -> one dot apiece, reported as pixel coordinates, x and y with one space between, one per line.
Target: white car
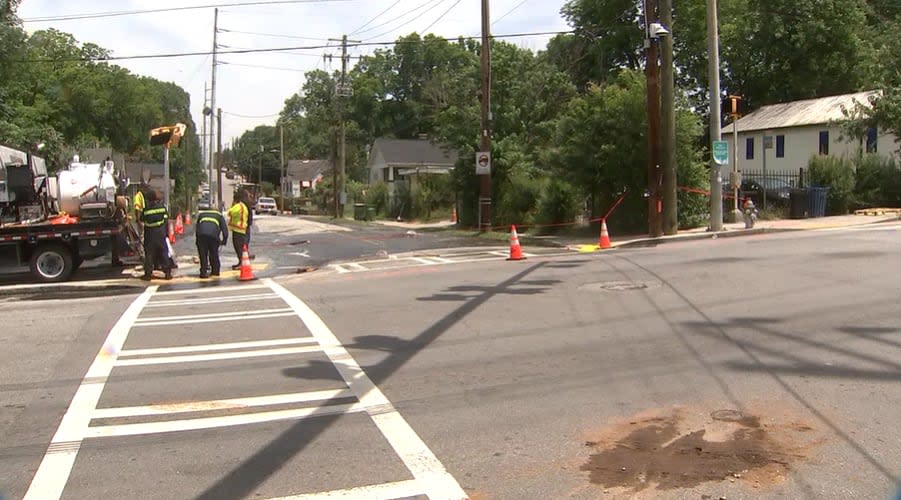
266 206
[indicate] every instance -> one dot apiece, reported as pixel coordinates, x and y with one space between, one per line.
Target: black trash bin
359 211
797 208
816 199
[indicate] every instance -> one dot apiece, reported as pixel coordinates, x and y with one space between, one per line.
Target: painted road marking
214 347
196 358
53 473
400 489
430 476
220 404
212 289
212 318
212 300
196 424
429 472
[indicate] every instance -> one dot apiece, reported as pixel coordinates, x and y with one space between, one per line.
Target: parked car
266 206
776 190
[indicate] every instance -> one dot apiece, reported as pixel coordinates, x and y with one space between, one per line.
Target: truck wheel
52 263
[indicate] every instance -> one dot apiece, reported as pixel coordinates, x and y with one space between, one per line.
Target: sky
251 88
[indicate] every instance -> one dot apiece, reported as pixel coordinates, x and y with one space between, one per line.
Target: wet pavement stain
666 451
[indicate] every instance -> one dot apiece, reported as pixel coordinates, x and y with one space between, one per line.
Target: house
392 160
797 130
304 174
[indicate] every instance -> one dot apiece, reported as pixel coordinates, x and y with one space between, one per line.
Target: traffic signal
168 135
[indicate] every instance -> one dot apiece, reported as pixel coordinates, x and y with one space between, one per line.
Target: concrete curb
126 285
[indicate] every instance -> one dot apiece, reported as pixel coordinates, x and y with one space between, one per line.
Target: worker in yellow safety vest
238 221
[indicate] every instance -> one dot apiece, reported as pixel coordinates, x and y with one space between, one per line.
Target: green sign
721 152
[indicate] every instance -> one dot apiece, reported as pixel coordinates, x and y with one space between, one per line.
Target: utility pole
485 146
343 91
203 143
281 150
668 122
213 102
219 155
713 70
655 222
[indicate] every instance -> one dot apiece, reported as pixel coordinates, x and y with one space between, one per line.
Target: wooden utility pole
343 90
668 122
655 222
485 146
713 69
281 151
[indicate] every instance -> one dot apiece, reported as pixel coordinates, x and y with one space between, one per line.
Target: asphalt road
764 366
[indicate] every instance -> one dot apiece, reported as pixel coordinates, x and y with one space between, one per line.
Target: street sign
721 152
483 163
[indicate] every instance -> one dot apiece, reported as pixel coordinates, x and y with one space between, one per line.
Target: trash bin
370 212
816 201
797 204
359 211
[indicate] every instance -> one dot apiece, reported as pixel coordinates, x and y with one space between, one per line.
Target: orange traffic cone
515 249
171 232
187 218
179 225
605 237
454 215
246 270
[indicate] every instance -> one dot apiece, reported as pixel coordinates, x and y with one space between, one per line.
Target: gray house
304 174
392 160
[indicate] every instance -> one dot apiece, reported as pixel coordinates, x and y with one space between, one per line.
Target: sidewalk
735 229
729 230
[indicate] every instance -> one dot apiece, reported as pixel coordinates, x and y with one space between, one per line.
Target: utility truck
53 223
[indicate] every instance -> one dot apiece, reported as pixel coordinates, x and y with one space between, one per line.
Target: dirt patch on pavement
680 448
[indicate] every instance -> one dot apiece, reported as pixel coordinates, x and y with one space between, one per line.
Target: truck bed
45 230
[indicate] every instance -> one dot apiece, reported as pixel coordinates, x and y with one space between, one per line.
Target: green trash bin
370 212
359 211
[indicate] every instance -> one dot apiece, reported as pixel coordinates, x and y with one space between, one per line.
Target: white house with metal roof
797 130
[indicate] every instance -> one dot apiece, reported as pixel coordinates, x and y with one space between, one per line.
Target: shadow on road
243 480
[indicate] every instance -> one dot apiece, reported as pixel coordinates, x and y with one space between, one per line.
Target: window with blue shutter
749 148
824 142
780 146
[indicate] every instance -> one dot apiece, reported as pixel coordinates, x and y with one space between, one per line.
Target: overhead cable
99 15
273 49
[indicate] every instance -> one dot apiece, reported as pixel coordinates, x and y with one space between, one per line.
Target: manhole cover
619 286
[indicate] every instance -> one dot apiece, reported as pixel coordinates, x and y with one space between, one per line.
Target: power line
441 16
250 116
520 4
374 18
273 35
262 66
408 22
273 49
414 9
98 15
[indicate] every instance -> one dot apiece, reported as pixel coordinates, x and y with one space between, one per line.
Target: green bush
377 196
517 200
838 175
558 203
878 182
431 194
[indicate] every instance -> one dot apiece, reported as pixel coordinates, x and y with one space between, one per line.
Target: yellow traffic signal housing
736 107
168 135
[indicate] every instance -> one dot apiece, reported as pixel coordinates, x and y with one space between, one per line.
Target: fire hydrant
749 213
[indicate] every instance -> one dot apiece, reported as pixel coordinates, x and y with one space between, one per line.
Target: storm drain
619 286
